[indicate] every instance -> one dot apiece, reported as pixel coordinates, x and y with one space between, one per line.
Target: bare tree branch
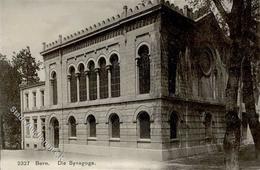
221 10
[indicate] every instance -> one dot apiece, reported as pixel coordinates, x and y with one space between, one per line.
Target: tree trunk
249 100
233 134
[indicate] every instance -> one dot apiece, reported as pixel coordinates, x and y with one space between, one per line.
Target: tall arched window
92 81
82 83
144 125
174 120
103 79
114 126
115 76
172 69
73 85
72 127
144 69
91 126
54 89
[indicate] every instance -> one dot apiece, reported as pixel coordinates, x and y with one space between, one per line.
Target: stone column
137 75
87 83
109 80
98 91
68 90
78 77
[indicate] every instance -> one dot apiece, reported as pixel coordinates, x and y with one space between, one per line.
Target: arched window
144 69
54 88
92 81
172 69
91 126
144 125
72 127
174 120
73 85
208 125
115 76
82 83
103 79
114 126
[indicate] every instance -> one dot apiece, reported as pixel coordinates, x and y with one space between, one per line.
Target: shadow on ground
215 161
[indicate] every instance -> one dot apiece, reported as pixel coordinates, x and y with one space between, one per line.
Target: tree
9 96
3 68
26 65
23 67
241 22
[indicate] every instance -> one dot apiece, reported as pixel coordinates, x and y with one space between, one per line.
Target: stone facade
175 110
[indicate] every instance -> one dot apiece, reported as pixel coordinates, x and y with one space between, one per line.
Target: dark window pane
72 126
92 82
92 126
115 76
172 68
103 79
173 125
144 125
82 84
144 69
208 123
73 85
54 89
115 126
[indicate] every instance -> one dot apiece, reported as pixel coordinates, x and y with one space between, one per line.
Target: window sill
42 107
114 139
91 139
72 138
144 141
176 140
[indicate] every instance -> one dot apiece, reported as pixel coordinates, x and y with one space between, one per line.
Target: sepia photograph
129 84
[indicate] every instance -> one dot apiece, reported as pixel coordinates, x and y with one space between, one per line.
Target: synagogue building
147 83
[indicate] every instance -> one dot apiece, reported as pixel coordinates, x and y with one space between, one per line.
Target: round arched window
205 62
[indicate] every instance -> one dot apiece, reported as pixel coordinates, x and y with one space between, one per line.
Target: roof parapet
145 4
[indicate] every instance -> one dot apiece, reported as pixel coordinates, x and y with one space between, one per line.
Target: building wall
188 102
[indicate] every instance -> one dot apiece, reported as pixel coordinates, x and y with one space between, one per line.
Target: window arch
91 120
72 127
103 79
73 85
115 76
54 89
143 64
144 125
174 121
114 122
82 83
92 81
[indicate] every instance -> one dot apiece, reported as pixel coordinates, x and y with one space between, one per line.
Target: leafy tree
22 68
239 19
9 96
26 65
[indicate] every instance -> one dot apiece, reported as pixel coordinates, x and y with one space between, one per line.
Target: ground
43 160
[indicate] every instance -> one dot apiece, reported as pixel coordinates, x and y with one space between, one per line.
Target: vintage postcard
129 84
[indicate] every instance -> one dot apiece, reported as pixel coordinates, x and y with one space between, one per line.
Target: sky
31 22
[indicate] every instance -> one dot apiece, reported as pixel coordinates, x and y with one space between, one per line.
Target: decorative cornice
24 86
126 15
